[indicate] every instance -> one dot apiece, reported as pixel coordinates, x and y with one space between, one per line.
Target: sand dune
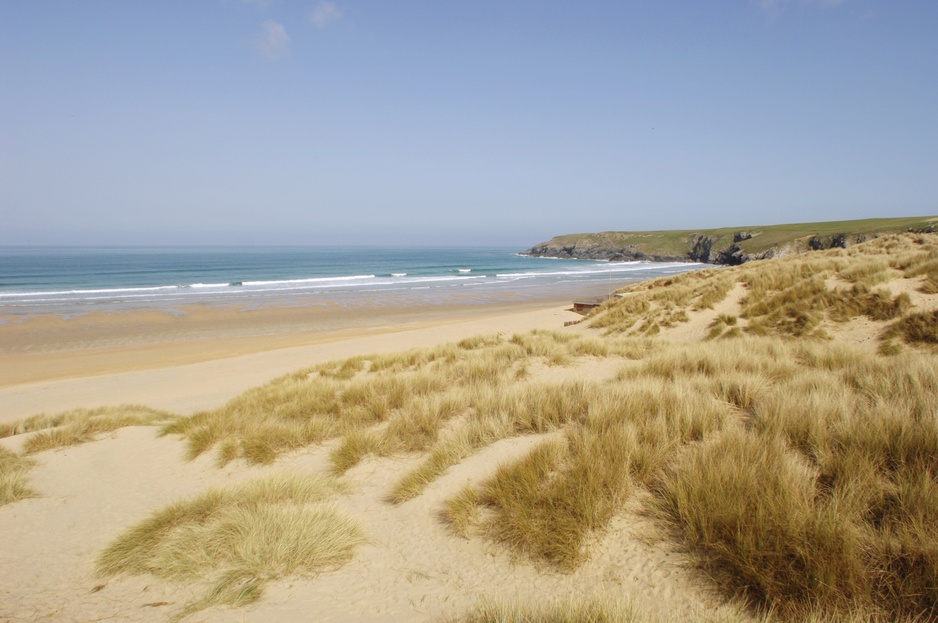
412 569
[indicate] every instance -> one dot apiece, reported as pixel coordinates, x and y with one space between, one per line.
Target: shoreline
199 360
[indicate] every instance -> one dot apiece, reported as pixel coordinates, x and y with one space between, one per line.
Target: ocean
77 279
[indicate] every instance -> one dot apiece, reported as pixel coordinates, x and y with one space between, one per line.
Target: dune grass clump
354 447
14 472
289 413
413 429
720 324
861 301
794 307
548 503
919 328
545 504
496 414
869 272
237 539
826 500
79 426
750 505
101 417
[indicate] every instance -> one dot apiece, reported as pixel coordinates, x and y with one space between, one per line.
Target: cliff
728 246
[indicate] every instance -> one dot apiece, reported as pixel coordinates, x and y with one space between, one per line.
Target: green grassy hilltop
727 245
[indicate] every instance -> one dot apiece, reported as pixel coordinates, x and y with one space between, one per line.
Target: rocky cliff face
700 248
589 250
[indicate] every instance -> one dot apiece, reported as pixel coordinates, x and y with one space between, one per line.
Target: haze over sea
70 280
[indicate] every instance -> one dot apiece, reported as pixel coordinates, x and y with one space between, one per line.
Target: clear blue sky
439 121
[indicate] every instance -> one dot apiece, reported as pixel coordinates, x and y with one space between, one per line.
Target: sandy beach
184 362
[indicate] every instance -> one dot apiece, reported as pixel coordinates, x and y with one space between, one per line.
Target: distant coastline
726 246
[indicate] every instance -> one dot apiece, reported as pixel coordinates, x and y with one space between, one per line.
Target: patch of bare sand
88 495
920 300
861 332
865 333
591 369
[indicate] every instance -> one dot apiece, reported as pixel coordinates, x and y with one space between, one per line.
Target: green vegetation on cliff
728 245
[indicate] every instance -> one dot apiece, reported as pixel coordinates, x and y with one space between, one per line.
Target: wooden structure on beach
585 306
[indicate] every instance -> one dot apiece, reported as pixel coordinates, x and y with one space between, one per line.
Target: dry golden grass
917 328
79 426
497 413
801 473
412 395
14 469
546 504
811 493
549 502
825 500
238 538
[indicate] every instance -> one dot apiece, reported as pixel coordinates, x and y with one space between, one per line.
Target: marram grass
14 472
413 394
79 426
239 538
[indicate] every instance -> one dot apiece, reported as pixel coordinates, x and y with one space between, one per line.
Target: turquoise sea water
74 279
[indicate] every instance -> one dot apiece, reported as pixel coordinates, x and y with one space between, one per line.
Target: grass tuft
354 447
919 328
14 470
238 539
601 610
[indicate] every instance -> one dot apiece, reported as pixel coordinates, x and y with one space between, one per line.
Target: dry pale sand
412 569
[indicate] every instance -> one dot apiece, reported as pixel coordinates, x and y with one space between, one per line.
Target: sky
439 122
